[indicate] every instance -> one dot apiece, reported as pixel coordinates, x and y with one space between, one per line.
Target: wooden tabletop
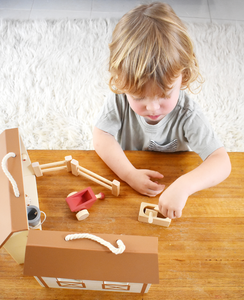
201 255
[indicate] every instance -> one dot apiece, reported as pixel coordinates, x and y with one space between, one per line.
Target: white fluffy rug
53 80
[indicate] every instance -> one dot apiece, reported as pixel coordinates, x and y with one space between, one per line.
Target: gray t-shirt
185 128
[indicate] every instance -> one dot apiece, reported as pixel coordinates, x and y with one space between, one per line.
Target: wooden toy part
156 208
81 200
50 167
114 185
71 194
36 168
24 156
82 215
149 213
100 196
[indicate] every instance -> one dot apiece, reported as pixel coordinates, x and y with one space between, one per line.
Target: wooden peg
151 214
24 156
100 196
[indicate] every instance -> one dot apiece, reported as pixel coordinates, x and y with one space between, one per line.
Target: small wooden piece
82 215
114 185
68 160
149 213
50 167
54 169
37 170
100 196
24 156
81 201
74 167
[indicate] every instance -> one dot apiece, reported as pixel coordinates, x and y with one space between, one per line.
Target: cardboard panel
49 255
12 209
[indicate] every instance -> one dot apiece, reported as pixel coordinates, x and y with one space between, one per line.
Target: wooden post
68 160
115 187
74 167
37 169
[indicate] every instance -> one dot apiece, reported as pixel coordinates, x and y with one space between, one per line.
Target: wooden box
13 213
87 265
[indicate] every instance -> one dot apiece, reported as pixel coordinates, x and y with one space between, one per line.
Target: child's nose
153 105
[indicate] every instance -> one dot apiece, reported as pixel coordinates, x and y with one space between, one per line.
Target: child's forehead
151 89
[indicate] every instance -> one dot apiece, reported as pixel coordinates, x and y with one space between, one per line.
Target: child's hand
172 202
140 180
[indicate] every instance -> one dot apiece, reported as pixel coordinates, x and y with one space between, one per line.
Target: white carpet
53 80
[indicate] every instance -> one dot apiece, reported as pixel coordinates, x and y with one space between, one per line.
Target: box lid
13 217
49 255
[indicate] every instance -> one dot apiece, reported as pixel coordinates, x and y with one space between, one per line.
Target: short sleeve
200 135
111 116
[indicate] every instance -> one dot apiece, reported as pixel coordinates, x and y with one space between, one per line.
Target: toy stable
54 261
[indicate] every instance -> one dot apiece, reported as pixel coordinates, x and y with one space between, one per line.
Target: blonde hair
150 43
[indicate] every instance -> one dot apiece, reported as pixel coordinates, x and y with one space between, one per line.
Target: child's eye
138 99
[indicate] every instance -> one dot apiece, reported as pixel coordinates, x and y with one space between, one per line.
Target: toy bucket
34 216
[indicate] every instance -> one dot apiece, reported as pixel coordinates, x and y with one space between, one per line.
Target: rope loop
9 176
119 250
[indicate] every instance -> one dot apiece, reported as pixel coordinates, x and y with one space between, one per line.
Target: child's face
154 108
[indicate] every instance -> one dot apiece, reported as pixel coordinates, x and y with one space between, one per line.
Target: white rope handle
101 241
9 176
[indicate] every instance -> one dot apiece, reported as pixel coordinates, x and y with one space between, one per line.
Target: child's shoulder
117 101
187 103
116 98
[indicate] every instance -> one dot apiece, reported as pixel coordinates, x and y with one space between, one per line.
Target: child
151 63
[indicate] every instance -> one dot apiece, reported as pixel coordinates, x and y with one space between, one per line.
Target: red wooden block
81 200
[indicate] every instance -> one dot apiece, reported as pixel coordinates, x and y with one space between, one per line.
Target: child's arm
112 154
212 171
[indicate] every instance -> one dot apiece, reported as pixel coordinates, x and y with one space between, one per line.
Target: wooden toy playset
149 213
62 259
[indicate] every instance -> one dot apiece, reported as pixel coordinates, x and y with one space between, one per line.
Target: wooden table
201 255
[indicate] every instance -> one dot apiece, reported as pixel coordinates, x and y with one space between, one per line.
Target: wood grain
201 255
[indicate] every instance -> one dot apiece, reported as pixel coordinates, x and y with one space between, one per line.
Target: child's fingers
154 185
169 213
154 174
155 189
